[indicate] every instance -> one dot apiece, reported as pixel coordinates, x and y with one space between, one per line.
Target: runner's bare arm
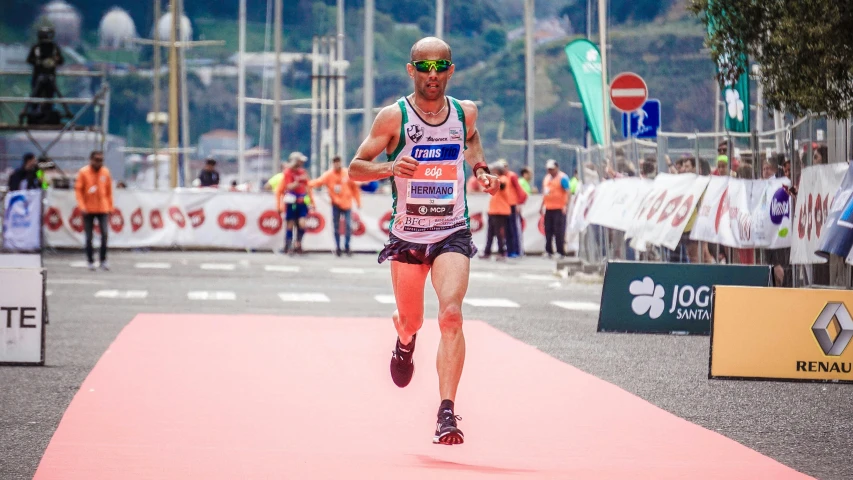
385 130
474 154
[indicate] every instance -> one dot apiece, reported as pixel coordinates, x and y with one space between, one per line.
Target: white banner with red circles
138 220
724 215
666 209
818 186
193 218
614 203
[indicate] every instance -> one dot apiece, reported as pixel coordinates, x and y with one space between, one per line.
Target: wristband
482 165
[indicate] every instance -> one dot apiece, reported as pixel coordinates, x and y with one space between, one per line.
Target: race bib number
432 186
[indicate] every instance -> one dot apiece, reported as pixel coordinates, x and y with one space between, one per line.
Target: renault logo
833 328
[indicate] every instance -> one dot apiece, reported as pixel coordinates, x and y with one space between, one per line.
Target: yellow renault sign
782 333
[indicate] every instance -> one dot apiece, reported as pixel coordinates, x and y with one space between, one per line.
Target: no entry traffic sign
628 92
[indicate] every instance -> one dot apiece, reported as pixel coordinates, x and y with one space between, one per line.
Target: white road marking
389 299
491 302
582 306
345 270
121 294
154 265
218 266
201 295
48 293
303 297
79 264
481 275
281 268
74 281
528 276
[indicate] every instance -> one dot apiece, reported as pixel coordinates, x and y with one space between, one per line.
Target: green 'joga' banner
585 64
641 297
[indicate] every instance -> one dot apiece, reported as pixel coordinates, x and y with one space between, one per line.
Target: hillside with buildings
657 40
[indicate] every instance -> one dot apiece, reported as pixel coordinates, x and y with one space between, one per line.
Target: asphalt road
804 425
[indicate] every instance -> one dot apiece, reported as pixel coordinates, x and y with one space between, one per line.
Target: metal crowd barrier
795 143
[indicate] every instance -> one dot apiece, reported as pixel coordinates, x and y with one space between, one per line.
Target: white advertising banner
666 209
22 220
247 220
724 214
21 318
579 219
614 203
818 186
772 210
741 213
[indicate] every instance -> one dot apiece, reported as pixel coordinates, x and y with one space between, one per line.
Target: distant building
545 31
72 150
264 62
145 172
220 144
14 57
117 30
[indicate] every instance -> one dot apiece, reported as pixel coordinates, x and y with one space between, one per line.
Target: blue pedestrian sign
642 123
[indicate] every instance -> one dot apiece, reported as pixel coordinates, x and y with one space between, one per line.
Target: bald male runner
428 137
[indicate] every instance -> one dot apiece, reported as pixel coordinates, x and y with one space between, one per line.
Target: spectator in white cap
555 207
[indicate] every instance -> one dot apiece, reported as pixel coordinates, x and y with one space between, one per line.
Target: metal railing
799 144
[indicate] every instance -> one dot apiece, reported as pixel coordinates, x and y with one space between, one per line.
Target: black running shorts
426 253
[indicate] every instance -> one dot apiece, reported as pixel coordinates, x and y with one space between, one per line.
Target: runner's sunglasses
427 65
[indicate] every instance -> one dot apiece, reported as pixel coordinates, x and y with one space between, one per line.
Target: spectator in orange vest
555 206
499 214
517 196
94 191
342 192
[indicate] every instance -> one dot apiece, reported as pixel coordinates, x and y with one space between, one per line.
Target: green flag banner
585 64
735 93
736 97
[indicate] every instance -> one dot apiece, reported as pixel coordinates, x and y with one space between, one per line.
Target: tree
803 47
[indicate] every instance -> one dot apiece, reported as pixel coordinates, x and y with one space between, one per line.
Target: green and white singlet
431 205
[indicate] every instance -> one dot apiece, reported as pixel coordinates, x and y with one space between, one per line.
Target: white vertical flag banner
22 220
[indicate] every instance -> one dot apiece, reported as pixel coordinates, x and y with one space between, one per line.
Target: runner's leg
408 281
450 280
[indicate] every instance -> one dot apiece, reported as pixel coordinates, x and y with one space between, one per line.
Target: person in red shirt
290 198
342 191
